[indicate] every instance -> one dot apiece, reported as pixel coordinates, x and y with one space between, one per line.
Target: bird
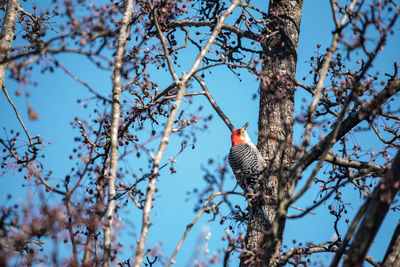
245 160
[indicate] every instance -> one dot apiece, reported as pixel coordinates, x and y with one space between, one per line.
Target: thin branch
74 262
214 104
333 137
344 162
379 134
188 228
165 47
231 247
304 86
237 31
334 14
32 170
17 114
91 90
193 222
217 29
247 5
303 210
6 38
349 234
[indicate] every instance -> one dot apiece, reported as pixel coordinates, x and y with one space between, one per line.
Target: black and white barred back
247 164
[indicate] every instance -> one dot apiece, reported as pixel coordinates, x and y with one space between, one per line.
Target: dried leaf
32 114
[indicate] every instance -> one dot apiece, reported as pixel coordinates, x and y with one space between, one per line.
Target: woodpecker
245 160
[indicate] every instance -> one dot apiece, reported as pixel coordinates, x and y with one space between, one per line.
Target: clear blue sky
54 99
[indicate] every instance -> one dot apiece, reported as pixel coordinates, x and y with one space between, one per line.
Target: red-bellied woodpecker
245 160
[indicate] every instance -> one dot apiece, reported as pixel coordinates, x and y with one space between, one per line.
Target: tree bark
7 35
275 124
392 257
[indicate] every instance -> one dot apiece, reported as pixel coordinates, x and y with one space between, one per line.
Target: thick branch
182 85
377 208
116 113
352 120
317 249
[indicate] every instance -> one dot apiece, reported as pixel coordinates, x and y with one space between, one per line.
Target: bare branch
182 85
376 207
189 227
17 114
237 31
317 249
352 120
165 48
345 162
319 88
214 104
116 112
334 14
91 90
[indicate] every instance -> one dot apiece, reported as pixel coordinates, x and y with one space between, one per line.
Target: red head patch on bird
240 136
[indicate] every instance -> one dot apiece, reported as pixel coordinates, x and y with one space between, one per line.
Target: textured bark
7 35
392 257
275 126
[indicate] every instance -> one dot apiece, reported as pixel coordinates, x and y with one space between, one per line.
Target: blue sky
54 99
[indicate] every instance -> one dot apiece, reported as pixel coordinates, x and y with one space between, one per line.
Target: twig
237 31
189 227
206 250
334 13
231 247
300 209
165 48
84 134
91 90
17 114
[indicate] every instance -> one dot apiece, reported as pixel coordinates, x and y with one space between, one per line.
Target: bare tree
133 41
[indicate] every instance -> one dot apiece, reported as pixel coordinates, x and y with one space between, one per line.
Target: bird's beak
245 126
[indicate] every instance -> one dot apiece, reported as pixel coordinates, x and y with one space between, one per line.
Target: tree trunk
275 123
